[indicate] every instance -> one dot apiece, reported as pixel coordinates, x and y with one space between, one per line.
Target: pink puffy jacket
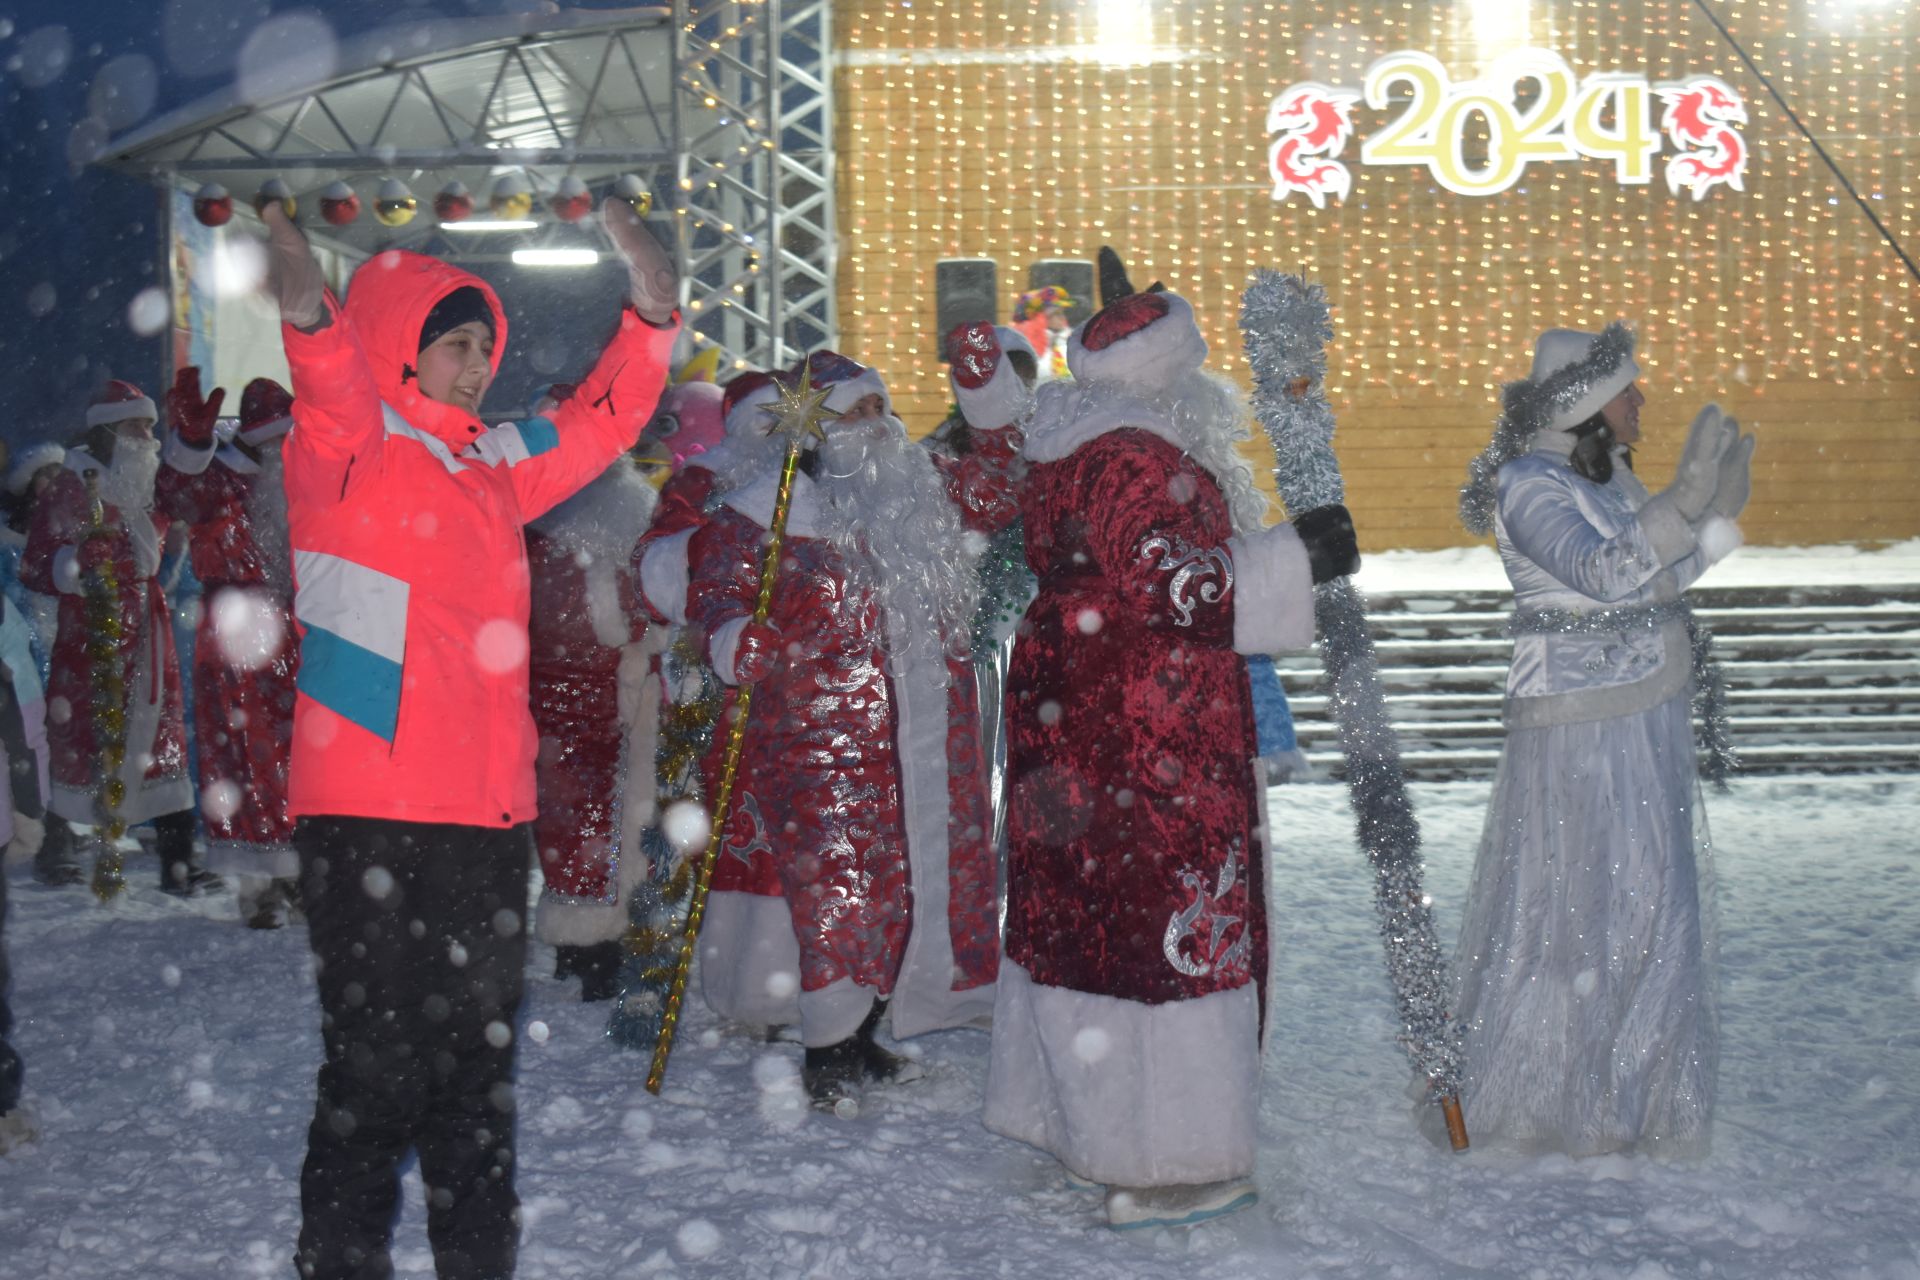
410 571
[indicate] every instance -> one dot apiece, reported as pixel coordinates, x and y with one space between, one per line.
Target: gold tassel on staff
797 415
109 681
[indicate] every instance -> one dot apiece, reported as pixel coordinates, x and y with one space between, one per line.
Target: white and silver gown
1584 973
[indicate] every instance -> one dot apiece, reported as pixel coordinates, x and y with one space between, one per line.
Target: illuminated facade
1037 130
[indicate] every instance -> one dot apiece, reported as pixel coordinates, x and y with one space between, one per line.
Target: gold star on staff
800 412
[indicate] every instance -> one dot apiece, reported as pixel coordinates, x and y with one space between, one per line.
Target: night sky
78 243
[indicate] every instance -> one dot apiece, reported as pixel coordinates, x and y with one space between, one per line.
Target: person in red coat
1127 1028
227 491
412 784
70 555
748 963
861 776
595 684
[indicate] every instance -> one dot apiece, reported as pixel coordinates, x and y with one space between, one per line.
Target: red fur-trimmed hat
1144 340
746 395
120 401
848 381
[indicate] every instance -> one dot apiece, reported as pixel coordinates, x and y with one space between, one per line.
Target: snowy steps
1819 679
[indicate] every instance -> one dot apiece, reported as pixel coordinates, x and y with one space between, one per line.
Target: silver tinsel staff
1286 325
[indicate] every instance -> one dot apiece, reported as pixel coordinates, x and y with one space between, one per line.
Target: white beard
127 485
267 520
885 508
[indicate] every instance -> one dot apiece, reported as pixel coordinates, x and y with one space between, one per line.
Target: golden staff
109 684
797 415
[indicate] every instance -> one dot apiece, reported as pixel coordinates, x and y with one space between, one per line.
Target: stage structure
488 142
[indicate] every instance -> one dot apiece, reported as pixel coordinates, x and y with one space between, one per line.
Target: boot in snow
832 1075
599 969
882 1065
1130 1208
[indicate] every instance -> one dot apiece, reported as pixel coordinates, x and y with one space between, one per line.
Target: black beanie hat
462 306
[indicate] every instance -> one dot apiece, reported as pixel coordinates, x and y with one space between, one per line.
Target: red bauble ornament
339 205
212 206
572 201
453 203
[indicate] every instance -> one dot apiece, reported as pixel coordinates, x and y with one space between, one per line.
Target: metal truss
755 187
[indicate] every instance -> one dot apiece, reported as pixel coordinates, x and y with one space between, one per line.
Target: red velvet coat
1133 819
158 781
819 788
244 659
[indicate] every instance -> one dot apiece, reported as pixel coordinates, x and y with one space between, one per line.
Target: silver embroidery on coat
1187 562
1205 910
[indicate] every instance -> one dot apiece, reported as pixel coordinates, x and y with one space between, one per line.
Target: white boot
1181 1205
18 1128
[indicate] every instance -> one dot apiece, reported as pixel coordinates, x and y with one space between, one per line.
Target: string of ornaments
1286 325
511 199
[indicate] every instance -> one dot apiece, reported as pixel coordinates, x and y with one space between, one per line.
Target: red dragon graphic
1699 114
1313 120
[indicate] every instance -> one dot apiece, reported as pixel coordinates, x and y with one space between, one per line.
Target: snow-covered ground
1478 568
170 1054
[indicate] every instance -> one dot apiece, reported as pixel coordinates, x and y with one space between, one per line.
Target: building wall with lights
1043 129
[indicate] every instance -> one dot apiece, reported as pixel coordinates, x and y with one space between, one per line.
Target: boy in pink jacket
412 779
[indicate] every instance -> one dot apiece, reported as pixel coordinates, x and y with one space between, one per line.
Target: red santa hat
120 401
266 411
989 392
746 395
1144 340
30 461
846 379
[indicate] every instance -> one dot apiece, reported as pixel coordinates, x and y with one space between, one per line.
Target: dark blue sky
77 243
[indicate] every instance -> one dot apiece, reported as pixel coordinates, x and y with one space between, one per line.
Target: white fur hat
1145 340
1577 376
28 463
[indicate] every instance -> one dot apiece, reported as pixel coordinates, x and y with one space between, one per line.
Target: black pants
420 937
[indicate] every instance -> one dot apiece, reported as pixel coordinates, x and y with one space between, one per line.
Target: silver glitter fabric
1286 325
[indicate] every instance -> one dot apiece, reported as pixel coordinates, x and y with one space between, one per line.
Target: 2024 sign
1567 120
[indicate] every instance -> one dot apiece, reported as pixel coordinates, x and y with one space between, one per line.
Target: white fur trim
28 463
66 570
842 396
924 998
1272 591
272 429
1060 425
1718 537
664 576
122 411
187 459
745 415
1150 357
749 960
755 500
1129 1094
834 1012
724 645
235 461
611 627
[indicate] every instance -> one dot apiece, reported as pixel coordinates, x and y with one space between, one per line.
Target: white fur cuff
663 576
723 645
187 459
66 570
1719 537
1272 591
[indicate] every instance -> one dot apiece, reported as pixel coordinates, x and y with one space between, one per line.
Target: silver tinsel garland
1286 325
